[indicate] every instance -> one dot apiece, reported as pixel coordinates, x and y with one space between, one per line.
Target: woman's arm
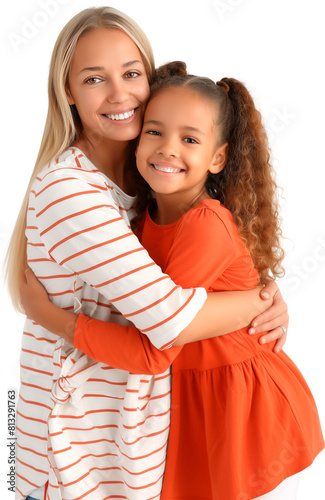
219 305
123 347
234 310
207 251
82 231
77 225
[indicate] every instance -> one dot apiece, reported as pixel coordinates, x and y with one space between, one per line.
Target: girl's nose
168 147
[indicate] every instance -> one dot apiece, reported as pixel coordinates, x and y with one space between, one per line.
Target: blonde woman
84 429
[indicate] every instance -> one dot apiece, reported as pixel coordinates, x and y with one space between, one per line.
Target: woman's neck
110 157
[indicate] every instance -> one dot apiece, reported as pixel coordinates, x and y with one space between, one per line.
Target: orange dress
242 418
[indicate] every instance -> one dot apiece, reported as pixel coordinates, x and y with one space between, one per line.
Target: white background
277 48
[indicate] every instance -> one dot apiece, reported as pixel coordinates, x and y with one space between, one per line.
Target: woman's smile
108 85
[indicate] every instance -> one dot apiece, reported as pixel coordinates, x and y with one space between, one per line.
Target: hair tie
224 85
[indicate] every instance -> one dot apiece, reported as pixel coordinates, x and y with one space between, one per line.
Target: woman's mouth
121 116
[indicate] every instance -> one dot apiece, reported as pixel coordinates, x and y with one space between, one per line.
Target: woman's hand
273 319
39 308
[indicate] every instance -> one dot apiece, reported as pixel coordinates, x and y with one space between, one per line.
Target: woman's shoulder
74 167
71 173
71 161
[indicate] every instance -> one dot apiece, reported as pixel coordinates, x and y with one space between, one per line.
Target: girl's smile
166 168
179 145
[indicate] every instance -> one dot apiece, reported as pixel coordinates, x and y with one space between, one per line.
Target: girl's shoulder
210 218
211 209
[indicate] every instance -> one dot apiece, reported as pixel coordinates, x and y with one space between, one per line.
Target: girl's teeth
169 170
121 116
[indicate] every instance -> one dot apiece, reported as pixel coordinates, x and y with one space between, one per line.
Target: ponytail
247 184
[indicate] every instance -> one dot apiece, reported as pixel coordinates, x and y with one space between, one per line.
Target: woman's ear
69 96
219 159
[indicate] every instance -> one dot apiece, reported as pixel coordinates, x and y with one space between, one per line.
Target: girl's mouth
167 169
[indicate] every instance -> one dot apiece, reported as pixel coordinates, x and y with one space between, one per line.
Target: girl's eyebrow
188 128
153 122
101 68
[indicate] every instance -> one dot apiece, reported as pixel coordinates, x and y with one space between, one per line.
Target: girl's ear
219 159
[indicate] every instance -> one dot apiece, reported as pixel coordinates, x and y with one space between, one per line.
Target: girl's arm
105 341
81 229
75 223
100 340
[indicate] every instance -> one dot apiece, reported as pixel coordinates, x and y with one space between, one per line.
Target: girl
79 202
243 419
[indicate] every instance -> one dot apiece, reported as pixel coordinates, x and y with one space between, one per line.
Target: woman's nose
117 92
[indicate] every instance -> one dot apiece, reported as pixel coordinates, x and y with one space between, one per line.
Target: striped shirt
91 430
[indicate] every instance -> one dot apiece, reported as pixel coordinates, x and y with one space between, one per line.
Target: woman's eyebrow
101 68
130 63
92 68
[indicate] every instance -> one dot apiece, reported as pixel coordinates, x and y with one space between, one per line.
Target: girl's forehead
176 97
178 107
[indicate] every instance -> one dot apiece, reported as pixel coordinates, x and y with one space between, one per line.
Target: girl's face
108 84
178 143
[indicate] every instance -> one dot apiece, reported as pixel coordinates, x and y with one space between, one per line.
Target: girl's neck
110 157
170 208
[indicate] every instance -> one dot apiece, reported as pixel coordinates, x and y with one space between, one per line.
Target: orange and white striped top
82 425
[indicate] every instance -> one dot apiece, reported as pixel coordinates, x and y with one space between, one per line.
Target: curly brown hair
246 185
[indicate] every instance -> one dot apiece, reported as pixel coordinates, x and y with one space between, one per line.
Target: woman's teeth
121 116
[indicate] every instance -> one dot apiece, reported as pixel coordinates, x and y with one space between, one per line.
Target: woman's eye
93 79
132 74
190 140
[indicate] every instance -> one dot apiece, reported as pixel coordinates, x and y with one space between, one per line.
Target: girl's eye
152 132
190 140
93 79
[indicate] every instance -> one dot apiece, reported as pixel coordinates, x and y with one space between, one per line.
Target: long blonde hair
61 129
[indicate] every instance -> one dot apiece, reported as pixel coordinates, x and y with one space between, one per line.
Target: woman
80 246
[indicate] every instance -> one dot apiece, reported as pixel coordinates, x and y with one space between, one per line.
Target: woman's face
108 85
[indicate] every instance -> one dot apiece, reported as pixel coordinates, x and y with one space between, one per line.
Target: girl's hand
273 319
33 295
39 308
